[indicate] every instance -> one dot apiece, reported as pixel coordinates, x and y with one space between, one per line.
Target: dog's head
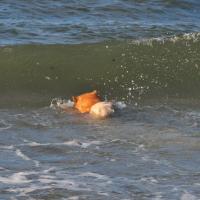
85 101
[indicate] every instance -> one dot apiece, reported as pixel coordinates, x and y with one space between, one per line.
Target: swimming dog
91 103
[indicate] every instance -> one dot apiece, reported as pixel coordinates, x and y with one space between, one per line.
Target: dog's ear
74 98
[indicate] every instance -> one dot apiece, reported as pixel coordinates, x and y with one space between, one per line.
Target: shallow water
146 152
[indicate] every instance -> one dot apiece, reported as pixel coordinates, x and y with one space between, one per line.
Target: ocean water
50 22
142 55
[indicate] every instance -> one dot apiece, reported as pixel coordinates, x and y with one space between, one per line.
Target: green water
128 70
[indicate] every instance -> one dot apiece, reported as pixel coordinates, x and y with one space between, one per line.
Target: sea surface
142 55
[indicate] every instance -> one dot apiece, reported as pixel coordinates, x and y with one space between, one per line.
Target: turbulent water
142 55
140 153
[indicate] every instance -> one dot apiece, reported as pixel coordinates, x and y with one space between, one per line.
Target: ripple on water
128 161
4 125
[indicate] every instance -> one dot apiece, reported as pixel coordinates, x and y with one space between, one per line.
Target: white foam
73 198
9 147
62 182
72 143
149 42
51 169
81 144
13 198
145 158
23 186
16 178
23 191
21 155
24 157
33 144
43 180
47 179
71 185
1 168
126 199
158 196
61 103
87 144
188 196
103 194
120 105
75 143
149 179
4 125
94 175
37 163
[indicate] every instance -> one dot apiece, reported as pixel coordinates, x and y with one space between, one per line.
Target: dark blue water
91 21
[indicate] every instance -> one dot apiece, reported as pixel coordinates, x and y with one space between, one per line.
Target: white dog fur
102 109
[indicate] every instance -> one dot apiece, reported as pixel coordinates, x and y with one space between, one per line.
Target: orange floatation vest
85 101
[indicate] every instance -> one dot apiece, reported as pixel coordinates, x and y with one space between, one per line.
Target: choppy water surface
148 152
62 21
